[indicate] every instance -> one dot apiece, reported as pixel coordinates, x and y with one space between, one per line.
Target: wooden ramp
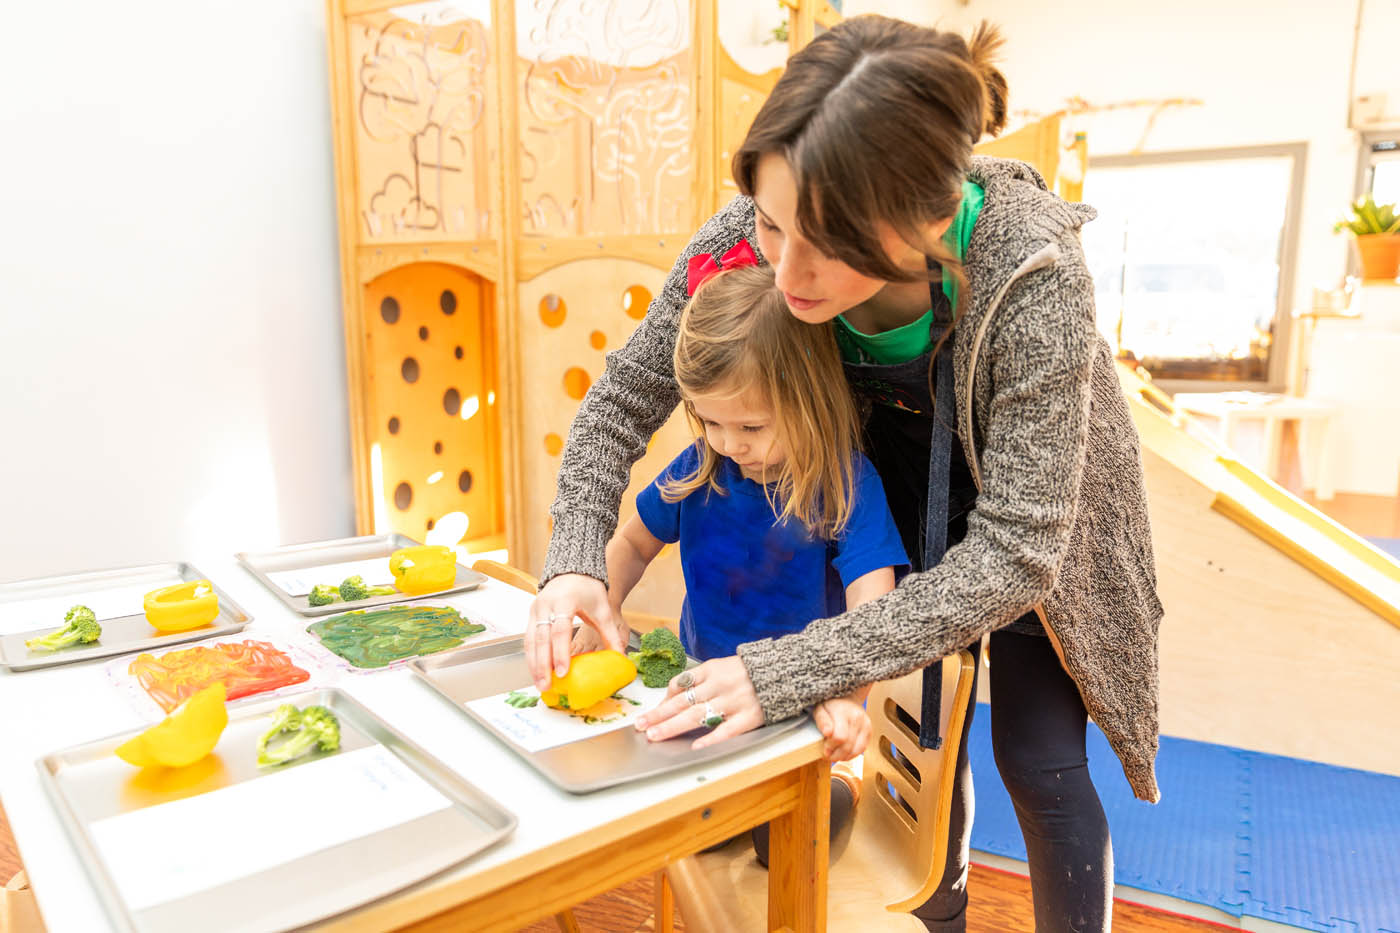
1282 628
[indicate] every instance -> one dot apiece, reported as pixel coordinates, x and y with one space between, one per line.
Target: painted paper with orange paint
244 668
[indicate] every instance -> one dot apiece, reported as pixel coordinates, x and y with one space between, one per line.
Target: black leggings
1038 723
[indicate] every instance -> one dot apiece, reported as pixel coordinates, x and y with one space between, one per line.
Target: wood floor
998 903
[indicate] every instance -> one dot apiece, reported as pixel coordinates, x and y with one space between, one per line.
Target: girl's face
817 286
742 429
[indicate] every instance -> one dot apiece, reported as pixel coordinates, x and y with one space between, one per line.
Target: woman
1006 449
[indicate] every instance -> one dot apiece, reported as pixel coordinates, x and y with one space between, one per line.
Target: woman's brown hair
877 119
738 340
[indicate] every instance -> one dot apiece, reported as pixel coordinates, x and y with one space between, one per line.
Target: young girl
779 517
995 419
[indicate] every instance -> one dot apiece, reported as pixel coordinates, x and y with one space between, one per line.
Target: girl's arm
863 589
630 552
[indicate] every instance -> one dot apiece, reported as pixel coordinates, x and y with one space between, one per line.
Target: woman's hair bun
982 49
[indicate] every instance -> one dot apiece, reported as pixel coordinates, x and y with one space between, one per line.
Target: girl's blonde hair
738 339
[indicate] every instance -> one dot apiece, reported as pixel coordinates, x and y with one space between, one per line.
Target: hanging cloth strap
936 517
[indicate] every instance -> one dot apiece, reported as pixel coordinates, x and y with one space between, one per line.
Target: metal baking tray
120 635
611 758
88 783
321 553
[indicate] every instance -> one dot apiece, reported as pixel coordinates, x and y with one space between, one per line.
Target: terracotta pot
1380 256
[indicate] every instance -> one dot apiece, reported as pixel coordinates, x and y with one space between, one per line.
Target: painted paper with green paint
376 637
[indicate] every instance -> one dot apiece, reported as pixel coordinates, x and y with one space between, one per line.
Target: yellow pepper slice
592 676
182 607
423 569
183 737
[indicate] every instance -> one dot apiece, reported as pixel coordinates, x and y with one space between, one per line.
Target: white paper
47 612
538 727
176 849
299 582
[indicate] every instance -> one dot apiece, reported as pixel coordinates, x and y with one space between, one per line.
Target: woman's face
817 287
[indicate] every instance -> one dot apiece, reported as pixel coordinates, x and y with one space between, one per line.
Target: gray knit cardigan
1061 519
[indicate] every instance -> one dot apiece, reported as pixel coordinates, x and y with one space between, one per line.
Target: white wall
1268 71
172 377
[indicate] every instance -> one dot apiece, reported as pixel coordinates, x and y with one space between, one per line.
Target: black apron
904 426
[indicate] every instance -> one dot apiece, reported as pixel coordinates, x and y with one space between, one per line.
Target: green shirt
911 341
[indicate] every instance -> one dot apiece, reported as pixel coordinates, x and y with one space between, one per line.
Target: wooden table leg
664 902
798 854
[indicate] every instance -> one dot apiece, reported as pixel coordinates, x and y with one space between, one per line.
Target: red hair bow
702 267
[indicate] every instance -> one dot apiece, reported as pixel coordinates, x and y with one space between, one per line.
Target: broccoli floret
322 594
312 729
661 658
353 588
79 628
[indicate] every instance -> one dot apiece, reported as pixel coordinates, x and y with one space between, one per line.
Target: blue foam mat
1297 842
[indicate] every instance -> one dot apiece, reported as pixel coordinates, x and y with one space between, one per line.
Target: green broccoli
353 588
661 658
79 628
322 594
314 728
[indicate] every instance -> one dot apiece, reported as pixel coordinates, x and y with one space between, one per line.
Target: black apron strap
936 524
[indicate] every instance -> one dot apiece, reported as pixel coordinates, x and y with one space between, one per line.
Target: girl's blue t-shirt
748 576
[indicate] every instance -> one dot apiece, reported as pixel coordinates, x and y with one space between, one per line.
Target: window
1192 257
1380 167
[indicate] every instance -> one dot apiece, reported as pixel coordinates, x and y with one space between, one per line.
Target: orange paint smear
245 668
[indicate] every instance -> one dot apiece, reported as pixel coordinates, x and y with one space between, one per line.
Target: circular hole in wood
409 369
576 382
464 481
635 302
403 496
457 352
389 310
422 333
553 443
447 301
598 340
394 425
437 447
452 401
553 310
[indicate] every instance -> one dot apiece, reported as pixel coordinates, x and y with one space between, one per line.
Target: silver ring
685 679
711 717
544 621
556 616
689 696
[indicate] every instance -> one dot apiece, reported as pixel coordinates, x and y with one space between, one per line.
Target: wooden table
1311 416
565 849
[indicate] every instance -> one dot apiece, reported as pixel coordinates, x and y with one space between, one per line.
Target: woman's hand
550 625
845 725
720 687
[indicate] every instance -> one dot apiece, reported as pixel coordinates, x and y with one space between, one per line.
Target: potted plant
1377 230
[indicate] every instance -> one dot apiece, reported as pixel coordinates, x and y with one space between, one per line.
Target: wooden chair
891 861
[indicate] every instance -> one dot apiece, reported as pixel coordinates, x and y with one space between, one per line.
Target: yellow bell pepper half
183 737
423 569
592 676
182 607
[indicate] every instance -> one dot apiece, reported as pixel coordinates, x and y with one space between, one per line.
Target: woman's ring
689 696
556 616
711 717
685 680
548 621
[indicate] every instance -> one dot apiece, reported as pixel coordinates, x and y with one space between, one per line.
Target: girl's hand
550 625
846 727
721 686
587 637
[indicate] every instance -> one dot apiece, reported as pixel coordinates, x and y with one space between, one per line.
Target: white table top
1252 404
48 710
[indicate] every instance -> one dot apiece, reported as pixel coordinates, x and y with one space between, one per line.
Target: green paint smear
376 637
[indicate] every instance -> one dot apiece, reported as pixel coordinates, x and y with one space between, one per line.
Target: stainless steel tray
321 553
121 635
611 758
88 783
